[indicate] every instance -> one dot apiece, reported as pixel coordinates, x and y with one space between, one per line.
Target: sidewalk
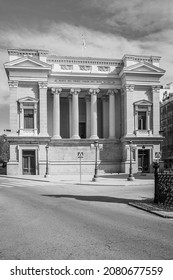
106 179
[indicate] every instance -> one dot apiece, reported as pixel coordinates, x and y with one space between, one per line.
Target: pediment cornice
27 63
142 68
28 99
143 102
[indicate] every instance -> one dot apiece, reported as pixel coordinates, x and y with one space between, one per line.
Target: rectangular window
141 120
28 118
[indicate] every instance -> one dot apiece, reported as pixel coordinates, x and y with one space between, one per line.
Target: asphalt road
47 221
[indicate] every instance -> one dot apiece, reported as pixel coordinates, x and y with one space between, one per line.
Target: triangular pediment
143 67
28 99
143 102
27 63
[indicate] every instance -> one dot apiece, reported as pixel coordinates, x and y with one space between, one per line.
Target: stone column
156 109
70 115
43 108
111 94
105 116
94 93
75 113
13 85
128 110
88 116
56 112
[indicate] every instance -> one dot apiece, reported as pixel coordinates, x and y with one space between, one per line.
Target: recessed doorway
144 160
29 165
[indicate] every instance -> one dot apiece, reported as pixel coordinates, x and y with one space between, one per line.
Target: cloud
136 19
66 40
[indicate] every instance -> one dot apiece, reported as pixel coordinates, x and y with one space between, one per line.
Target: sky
111 28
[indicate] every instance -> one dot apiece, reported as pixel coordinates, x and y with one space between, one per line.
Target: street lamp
96 146
132 148
47 164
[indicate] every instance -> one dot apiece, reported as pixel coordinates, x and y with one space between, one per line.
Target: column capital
112 91
156 88
128 88
13 84
94 91
75 91
42 85
56 90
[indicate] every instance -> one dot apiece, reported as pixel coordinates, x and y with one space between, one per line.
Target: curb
162 214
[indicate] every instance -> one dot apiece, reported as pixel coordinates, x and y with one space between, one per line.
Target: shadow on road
99 198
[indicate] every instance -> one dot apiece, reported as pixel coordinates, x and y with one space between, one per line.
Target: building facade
69 102
166 124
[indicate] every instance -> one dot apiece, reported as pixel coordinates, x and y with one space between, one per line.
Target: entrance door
144 160
29 166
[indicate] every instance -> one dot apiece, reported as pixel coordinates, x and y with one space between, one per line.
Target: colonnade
91 113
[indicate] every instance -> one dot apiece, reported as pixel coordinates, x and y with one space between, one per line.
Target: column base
131 178
94 137
75 137
56 137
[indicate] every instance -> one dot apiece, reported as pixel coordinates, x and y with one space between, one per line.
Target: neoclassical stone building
69 102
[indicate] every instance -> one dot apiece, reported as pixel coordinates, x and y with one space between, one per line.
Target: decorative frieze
66 67
13 84
85 67
103 68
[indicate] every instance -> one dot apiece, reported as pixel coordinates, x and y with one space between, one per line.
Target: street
43 220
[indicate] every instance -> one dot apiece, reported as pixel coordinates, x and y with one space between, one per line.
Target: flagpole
83 45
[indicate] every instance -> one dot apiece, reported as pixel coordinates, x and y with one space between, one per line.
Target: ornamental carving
13 84
67 67
112 91
56 90
103 68
42 85
85 67
75 91
156 89
128 88
94 91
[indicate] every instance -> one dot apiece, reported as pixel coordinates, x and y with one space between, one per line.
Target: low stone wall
165 188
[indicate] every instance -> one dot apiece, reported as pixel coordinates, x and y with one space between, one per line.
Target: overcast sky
111 28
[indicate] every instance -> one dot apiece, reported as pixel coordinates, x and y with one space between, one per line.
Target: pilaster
128 110
13 85
43 108
56 112
156 109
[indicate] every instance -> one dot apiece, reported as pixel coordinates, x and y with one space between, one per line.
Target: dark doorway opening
144 161
29 165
